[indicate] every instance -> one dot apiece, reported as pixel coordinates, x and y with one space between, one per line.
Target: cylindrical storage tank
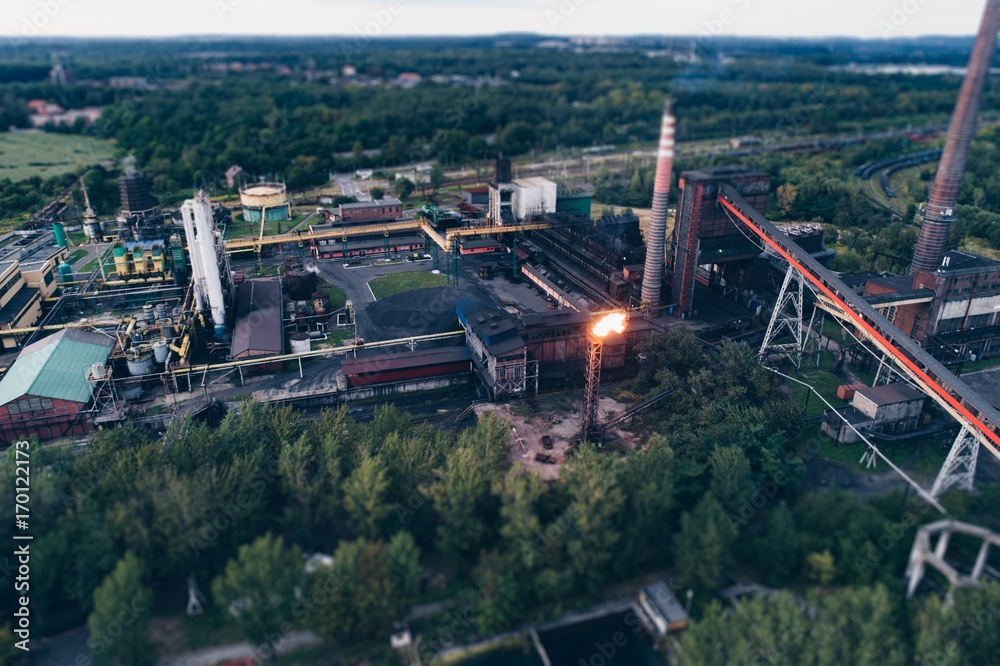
65 272
93 231
161 311
140 362
98 371
148 314
301 342
160 350
269 200
132 392
60 233
121 261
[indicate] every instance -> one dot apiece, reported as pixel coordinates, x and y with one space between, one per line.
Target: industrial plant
529 291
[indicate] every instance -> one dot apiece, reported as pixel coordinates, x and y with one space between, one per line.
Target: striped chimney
657 232
940 210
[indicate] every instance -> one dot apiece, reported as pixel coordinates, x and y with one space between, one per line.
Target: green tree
436 177
786 198
593 515
731 480
364 497
779 549
404 559
120 620
257 587
857 626
850 626
500 604
821 567
403 188
355 599
377 193
648 477
964 632
702 548
461 497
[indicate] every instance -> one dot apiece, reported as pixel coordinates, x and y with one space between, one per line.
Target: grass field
397 283
337 296
27 154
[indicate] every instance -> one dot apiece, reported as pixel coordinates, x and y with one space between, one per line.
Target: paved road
297 640
62 650
354 282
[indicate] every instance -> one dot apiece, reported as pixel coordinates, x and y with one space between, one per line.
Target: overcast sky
786 18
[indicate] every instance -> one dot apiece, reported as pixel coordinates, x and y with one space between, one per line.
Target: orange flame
612 322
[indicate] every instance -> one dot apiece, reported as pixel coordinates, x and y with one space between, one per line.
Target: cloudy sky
808 18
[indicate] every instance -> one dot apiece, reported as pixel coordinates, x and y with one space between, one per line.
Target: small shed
662 607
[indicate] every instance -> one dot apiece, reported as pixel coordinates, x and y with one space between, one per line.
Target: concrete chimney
657 232
940 210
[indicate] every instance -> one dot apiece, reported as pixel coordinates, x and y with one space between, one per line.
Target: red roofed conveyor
950 392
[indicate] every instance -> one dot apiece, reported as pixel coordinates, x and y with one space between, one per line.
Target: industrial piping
940 211
656 234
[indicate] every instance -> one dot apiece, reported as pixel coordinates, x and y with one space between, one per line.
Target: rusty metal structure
656 236
940 210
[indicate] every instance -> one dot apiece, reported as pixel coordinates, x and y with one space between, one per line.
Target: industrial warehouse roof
43 253
963 261
374 203
15 306
258 330
890 394
56 367
404 360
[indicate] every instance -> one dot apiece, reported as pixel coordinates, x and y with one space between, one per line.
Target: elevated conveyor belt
951 393
383 228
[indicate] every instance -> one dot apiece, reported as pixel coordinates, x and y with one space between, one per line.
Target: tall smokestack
657 232
940 211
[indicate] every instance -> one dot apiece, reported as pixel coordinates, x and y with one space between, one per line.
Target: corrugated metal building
45 393
402 366
259 330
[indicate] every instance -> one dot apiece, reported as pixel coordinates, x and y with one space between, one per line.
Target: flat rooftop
963 261
890 394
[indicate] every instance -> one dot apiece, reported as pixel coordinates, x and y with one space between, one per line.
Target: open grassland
27 154
396 283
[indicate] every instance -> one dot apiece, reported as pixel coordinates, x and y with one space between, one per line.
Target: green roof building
45 392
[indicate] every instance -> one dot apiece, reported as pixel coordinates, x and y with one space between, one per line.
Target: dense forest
196 121
411 513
